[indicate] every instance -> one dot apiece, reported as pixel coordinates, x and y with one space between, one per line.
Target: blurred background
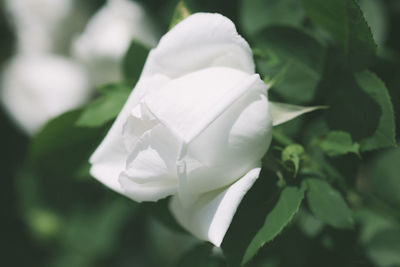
56 54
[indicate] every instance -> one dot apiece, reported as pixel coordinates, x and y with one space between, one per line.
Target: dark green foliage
384 175
258 14
293 56
106 107
250 217
344 21
328 205
281 215
337 143
61 147
199 256
133 62
328 193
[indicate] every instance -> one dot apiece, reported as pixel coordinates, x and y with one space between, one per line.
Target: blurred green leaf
328 205
337 143
293 44
133 62
291 156
277 219
371 222
385 180
344 20
297 85
308 224
199 256
88 236
384 248
388 69
317 165
161 212
161 238
106 107
384 135
298 54
376 15
61 147
258 14
45 224
180 13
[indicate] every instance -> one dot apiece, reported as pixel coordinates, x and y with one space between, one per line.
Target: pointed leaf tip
282 112
181 12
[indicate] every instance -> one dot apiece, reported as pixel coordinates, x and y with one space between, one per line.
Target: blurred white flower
107 37
36 88
196 127
37 22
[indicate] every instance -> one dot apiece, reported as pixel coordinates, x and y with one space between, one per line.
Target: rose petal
187 105
152 166
200 41
109 159
148 191
108 171
140 121
107 37
36 88
210 216
231 145
38 23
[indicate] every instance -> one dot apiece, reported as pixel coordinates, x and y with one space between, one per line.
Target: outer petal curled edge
210 216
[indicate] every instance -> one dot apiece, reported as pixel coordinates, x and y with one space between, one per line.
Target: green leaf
337 143
384 172
258 14
384 248
328 205
308 224
344 20
297 85
291 156
359 104
199 256
133 62
180 13
61 147
251 213
277 219
384 135
282 112
292 44
371 222
296 57
348 106
377 17
45 224
106 107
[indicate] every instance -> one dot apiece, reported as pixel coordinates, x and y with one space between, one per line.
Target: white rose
196 127
108 35
36 88
37 22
